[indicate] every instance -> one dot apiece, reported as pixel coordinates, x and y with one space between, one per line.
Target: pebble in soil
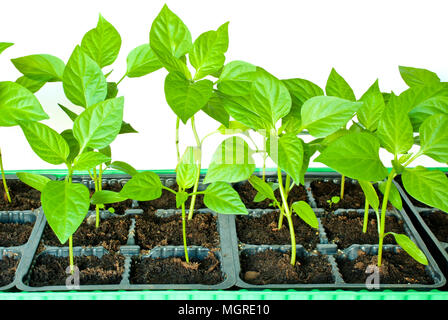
274 267
396 268
437 221
23 197
346 229
8 267
264 230
120 207
50 270
176 271
111 234
168 201
15 234
152 230
248 193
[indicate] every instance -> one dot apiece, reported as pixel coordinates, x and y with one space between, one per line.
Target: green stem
121 79
70 249
383 214
177 139
97 208
293 240
5 186
280 218
196 184
366 215
265 156
169 189
184 232
342 186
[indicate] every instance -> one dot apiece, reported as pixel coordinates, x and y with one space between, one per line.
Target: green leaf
68 112
186 98
427 186
18 104
89 160
112 90
102 43
308 151
418 77
40 67
222 198
337 87
207 56
107 151
126 128
234 127
49 145
125 167
414 96
99 124
262 187
410 247
370 113
142 61
426 109
72 144
83 81
65 206
236 78
5 45
370 194
106 197
304 211
215 109
434 137
231 162
322 116
395 129
144 186
181 197
394 194
287 153
355 155
30 84
35 181
188 168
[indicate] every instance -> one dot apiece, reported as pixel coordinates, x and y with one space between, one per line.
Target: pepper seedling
16 104
333 200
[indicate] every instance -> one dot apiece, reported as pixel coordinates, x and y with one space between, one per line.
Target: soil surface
23 197
176 271
263 230
415 202
8 267
151 230
111 234
396 268
15 234
273 267
119 207
248 193
346 229
168 201
438 223
50 270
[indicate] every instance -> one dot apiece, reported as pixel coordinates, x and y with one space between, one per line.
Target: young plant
333 200
16 104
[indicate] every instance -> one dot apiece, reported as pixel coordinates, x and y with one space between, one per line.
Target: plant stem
280 218
196 184
366 216
293 240
5 186
97 208
177 139
184 232
70 249
383 214
121 79
342 186
265 156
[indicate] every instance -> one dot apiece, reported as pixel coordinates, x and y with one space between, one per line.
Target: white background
363 40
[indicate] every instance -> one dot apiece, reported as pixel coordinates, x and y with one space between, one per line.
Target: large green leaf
142 61
89 160
99 124
236 78
410 247
337 87
18 104
231 162
102 43
427 186
30 84
83 81
426 109
418 77
144 186
355 155
370 194
322 116
208 51
65 206
370 113
184 97
222 198
40 67
306 213
5 45
287 154
434 137
215 109
35 181
125 167
49 145
414 96
188 168
106 197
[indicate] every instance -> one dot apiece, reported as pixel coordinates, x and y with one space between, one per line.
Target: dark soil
248 193
111 234
346 229
50 270
23 197
168 201
438 223
263 230
8 267
151 231
273 267
397 268
119 207
415 202
176 271
15 234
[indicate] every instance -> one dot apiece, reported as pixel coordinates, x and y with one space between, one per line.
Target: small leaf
222 198
434 137
123 166
68 112
5 45
394 194
188 169
72 144
306 213
144 186
30 84
338 87
370 113
112 90
418 77
126 128
35 181
410 247
370 194
89 160
40 67
181 197
263 188
142 61
287 153
106 197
